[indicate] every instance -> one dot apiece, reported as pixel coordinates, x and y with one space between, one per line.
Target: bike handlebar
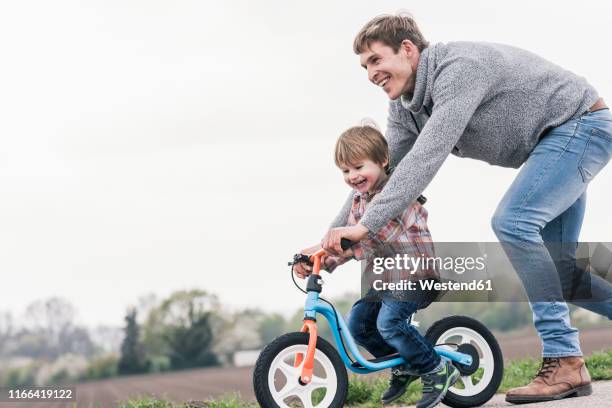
346 243
315 259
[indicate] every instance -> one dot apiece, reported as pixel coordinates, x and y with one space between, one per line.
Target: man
510 108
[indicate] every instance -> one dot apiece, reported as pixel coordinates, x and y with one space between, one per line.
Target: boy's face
364 175
394 72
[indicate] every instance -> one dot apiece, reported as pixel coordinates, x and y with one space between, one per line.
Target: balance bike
301 368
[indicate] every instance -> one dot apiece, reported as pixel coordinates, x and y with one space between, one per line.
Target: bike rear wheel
276 380
479 382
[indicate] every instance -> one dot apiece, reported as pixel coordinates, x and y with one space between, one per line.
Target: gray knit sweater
484 101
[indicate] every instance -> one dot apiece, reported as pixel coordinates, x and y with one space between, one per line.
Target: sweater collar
421 97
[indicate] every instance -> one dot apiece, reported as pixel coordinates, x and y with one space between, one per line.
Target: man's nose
371 74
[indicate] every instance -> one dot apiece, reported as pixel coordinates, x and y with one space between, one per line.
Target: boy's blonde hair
390 30
360 143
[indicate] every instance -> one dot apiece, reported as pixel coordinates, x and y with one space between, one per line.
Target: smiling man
511 108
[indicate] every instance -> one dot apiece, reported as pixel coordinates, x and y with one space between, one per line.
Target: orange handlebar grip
316 261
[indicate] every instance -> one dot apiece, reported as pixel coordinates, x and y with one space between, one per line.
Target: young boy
383 327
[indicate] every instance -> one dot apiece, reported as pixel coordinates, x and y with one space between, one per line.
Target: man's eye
358 167
345 171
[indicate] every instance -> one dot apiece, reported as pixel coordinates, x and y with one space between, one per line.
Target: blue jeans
384 328
545 205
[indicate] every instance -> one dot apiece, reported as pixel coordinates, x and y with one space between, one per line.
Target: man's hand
302 270
331 240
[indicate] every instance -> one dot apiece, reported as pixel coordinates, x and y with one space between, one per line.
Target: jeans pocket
596 154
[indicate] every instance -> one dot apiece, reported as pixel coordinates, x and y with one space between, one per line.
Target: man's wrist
369 224
362 230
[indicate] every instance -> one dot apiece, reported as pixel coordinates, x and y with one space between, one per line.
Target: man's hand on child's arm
302 270
331 240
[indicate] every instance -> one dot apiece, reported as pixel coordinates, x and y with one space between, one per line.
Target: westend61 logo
483 271
413 264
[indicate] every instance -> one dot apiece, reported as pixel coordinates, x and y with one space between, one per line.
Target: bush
60 377
20 376
158 364
67 367
101 367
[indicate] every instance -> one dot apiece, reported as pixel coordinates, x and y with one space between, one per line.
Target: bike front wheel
277 382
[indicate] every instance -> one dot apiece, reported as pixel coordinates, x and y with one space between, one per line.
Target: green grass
365 391
600 365
149 403
227 401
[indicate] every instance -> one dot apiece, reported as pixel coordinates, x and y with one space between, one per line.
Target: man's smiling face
394 72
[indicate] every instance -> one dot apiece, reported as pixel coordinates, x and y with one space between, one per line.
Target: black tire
458 401
265 359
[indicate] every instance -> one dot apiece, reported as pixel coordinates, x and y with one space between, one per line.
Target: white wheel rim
469 336
283 364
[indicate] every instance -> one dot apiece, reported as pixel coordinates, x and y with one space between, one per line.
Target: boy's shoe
399 381
436 384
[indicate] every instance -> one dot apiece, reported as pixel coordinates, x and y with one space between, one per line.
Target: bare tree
49 330
51 317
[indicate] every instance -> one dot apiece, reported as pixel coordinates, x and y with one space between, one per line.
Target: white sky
150 146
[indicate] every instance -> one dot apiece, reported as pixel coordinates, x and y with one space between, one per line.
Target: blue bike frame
314 306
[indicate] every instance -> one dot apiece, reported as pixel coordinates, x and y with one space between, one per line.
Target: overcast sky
151 146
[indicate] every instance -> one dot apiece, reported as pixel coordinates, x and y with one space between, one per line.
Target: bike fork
310 327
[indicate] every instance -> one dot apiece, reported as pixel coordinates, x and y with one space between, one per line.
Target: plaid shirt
406 234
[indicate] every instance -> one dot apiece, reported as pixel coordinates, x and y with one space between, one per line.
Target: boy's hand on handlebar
302 270
331 240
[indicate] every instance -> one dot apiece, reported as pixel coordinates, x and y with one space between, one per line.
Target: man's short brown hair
390 30
363 142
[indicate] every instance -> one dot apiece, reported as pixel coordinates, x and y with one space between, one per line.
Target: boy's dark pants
383 328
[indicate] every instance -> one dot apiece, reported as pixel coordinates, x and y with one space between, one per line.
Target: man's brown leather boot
558 378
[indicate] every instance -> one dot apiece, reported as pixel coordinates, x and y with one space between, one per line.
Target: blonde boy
383 327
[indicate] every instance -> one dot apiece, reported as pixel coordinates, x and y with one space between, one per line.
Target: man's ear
408 46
